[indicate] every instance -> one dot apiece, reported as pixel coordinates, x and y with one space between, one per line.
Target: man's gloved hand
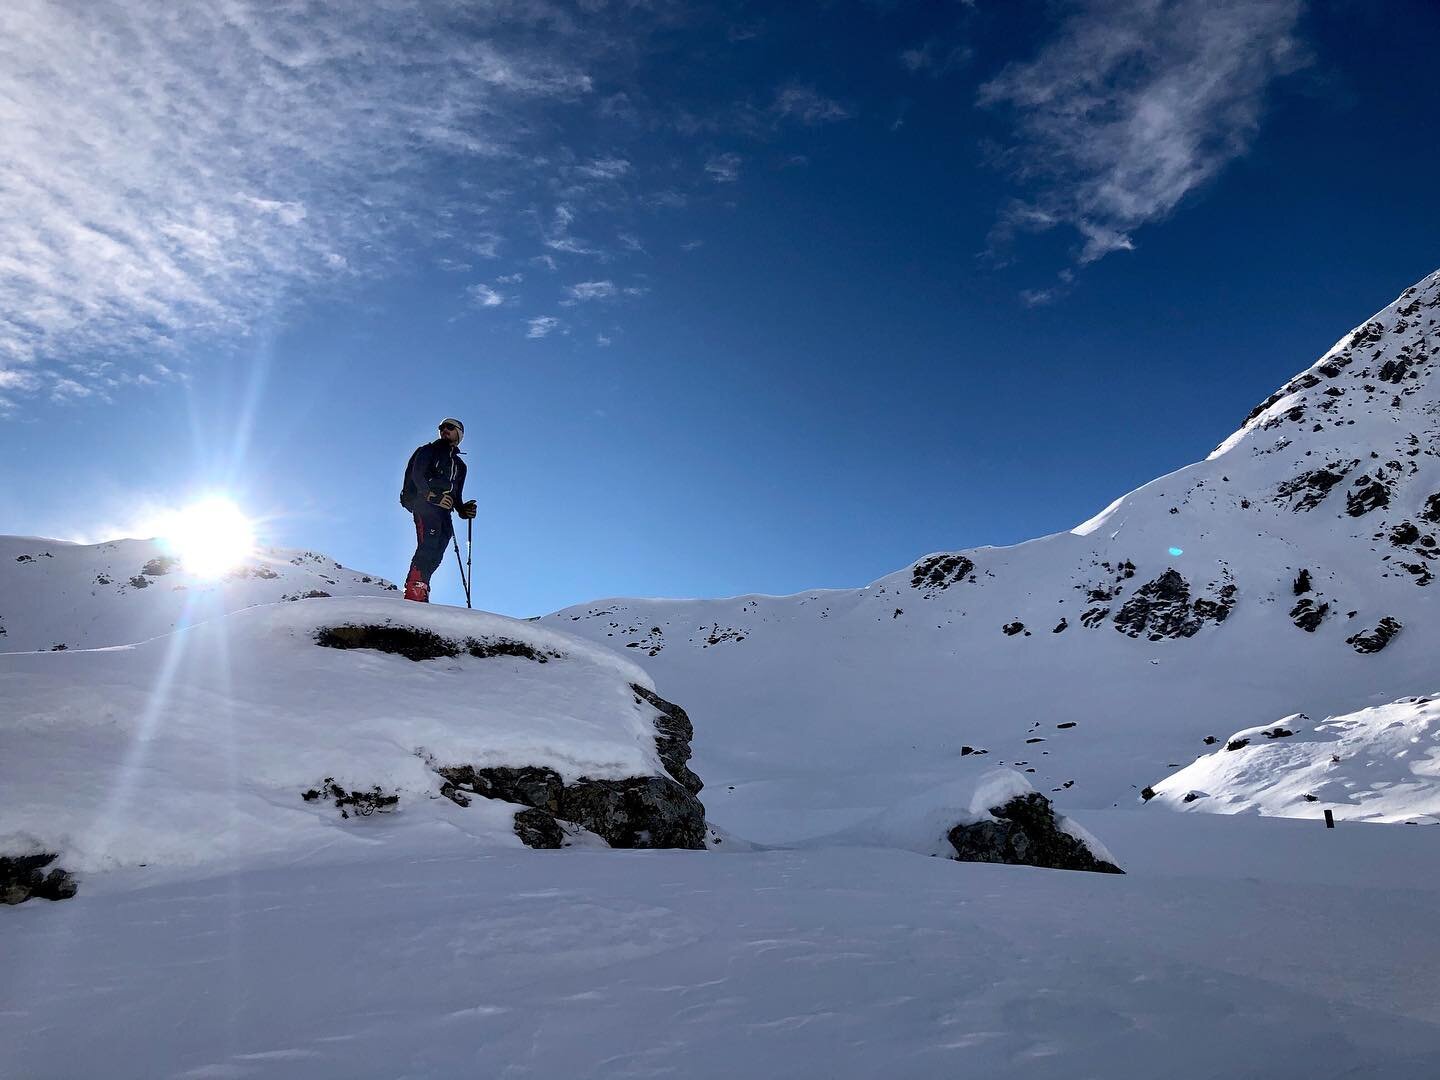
445 502
468 510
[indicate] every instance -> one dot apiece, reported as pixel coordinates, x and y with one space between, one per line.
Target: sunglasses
448 427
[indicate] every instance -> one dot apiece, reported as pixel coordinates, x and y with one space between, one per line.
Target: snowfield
1237 948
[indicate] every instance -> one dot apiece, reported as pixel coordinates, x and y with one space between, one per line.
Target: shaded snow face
1290 571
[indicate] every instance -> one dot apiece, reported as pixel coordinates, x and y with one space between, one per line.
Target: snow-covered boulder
1377 764
996 817
292 726
58 595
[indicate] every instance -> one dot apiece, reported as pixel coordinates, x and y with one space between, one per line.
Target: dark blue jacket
433 469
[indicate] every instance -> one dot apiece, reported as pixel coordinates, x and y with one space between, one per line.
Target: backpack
408 491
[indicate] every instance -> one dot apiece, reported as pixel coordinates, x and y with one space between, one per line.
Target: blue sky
731 297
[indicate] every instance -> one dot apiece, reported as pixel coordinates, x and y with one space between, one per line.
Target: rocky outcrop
1025 832
1372 641
636 812
415 643
1308 615
1368 493
23 877
1311 487
1162 608
672 740
938 572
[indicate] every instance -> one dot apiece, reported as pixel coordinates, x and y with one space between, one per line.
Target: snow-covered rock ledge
291 726
996 817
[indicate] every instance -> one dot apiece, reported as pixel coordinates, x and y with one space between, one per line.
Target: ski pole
463 581
469 570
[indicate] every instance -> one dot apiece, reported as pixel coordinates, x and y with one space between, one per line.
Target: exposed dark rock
160 566
537 829
529 785
23 877
641 812
1308 615
1404 534
638 812
672 740
363 803
1432 509
1060 626
1025 834
1012 628
1368 494
1237 744
939 572
1279 733
1191 796
1094 617
1162 609
1375 640
1147 793
966 751
1066 724
1302 583
139 582
1210 740
24 558
1314 485
1392 371
417 644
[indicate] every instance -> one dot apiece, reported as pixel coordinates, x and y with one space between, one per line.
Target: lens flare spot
1176 552
210 537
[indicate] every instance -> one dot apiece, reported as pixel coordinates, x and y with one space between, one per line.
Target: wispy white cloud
172 169
584 291
592 290
612 168
724 168
482 295
541 326
807 105
1133 105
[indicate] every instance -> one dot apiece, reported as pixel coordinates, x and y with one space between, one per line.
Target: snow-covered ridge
58 595
199 747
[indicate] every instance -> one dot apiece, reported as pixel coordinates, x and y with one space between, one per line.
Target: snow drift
246 737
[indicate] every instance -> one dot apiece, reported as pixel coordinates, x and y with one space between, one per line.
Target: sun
210 537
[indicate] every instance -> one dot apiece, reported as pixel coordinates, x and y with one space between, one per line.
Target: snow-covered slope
200 746
1288 572
1380 764
59 595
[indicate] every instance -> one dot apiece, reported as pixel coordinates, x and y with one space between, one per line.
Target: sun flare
210 537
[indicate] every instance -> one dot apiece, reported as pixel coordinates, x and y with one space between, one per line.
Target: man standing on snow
434 483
